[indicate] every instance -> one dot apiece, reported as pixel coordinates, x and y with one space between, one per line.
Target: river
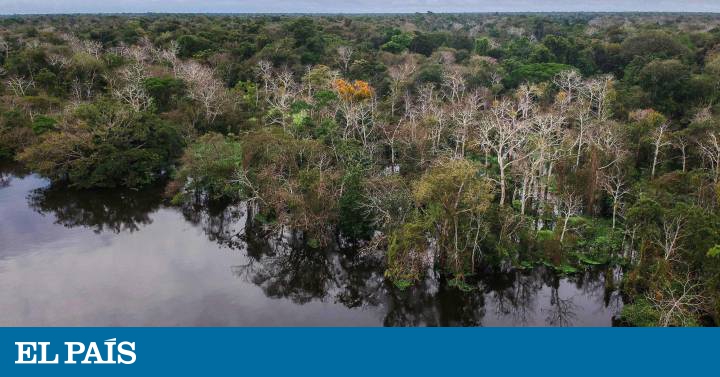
123 258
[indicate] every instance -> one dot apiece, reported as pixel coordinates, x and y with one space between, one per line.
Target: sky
355 6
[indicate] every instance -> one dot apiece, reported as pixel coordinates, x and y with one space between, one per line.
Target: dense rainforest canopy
435 141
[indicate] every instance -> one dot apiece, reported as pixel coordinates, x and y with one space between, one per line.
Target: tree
671 236
400 76
108 145
203 87
568 205
398 43
356 105
710 150
209 168
503 132
20 85
132 91
345 54
678 302
454 199
614 184
660 140
681 142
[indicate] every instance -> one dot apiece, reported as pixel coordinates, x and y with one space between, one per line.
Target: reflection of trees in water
5 179
10 170
114 210
433 303
223 224
283 266
514 294
562 311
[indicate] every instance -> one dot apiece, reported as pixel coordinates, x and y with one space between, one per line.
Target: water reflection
10 170
208 265
117 210
222 223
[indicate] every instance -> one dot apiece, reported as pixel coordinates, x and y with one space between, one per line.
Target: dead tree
504 133
345 54
568 205
614 184
670 238
203 88
681 142
133 90
678 302
710 150
20 85
660 140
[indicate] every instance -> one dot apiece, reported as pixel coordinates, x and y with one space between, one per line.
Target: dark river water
122 258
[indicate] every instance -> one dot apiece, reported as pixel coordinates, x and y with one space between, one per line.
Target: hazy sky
339 6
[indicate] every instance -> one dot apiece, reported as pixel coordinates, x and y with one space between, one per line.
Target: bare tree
429 107
525 96
678 302
454 82
390 132
20 85
169 55
581 113
681 142
345 54
59 61
568 205
133 90
463 117
265 72
203 88
282 89
544 147
606 137
597 90
93 48
399 75
710 150
671 236
570 83
503 132
660 140
614 184
526 172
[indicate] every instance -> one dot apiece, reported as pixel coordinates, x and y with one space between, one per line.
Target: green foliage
398 43
714 252
354 220
43 124
533 73
106 145
425 43
453 196
641 314
15 133
211 166
165 91
482 46
190 45
406 253
652 44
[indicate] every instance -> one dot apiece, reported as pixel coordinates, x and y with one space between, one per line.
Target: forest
453 143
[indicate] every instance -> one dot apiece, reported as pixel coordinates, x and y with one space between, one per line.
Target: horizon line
363 13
